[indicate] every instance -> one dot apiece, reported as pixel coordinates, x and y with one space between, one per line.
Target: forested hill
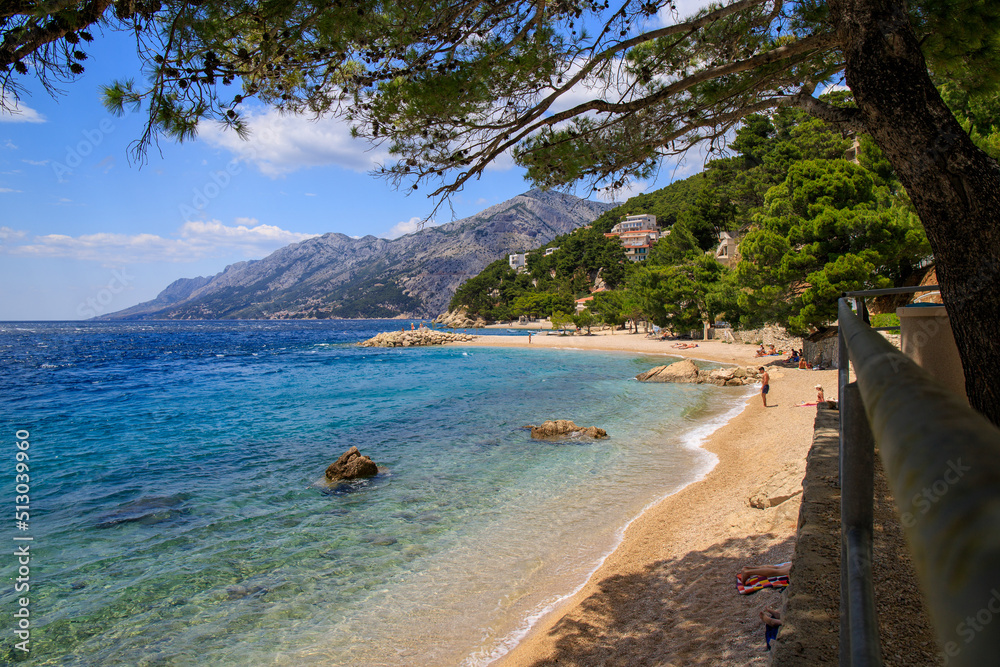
585 259
336 276
816 214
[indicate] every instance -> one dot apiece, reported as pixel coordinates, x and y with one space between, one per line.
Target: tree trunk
954 186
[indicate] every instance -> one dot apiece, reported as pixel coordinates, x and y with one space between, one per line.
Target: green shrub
885 320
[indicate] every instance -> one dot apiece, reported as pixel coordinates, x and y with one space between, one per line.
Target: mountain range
337 276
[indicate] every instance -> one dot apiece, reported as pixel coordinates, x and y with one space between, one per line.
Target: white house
634 223
728 248
637 234
518 262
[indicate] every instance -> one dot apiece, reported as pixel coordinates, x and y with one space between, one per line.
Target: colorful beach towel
755 583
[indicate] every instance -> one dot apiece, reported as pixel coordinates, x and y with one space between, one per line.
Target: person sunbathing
764 571
772 621
684 346
761 352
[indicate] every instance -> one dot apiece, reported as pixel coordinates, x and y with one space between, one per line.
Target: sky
84 232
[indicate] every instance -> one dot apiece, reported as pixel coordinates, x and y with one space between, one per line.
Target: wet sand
667 594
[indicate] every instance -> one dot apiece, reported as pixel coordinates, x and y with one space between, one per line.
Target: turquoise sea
175 520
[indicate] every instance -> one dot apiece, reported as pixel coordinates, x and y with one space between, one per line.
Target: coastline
666 594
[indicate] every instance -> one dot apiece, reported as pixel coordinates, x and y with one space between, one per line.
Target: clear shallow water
175 520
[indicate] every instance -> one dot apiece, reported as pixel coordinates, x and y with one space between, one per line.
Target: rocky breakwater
415 338
687 371
555 429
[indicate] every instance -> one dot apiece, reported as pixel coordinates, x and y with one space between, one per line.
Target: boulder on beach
352 464
564 428
784 484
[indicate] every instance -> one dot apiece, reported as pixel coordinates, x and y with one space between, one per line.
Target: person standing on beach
765 384
529 338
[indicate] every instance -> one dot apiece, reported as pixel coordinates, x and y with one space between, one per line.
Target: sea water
175 517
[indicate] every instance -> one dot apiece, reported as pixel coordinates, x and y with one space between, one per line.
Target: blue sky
84 232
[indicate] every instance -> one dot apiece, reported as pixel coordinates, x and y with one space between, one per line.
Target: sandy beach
667 594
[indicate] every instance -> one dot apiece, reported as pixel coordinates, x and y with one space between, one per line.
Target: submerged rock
564 428
352 464
147 511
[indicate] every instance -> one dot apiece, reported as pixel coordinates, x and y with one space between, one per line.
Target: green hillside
816 213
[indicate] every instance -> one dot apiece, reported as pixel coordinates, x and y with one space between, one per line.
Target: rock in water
687 371
564 428
681 371
351 465
415 337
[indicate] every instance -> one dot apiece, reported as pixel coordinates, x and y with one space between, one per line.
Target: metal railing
942 462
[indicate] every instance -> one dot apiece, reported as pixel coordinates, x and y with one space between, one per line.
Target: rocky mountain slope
338 276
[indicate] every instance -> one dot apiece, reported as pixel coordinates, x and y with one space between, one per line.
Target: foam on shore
694 439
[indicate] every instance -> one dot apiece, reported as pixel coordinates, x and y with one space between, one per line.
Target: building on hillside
584 303
518 262
633 223
637 234
727 252
549 251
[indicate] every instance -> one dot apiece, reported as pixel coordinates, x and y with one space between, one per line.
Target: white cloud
197 240
36 163
408 227
21 114
623 194
9 144
9 190
8 234
280 144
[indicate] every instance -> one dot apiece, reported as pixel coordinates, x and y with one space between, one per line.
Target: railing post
859 639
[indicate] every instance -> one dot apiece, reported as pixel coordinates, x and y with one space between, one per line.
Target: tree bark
954 185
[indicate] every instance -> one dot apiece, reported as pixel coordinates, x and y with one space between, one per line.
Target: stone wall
810 630
769 335
824 352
